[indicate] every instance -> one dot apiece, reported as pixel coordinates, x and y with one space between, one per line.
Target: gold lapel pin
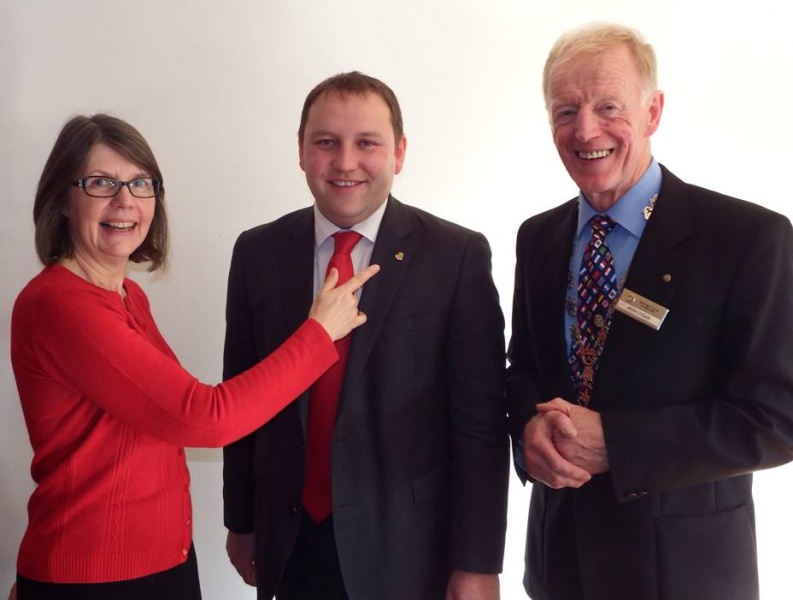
399 255
667 277
648 210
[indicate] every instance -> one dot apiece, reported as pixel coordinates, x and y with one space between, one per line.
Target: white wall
217 88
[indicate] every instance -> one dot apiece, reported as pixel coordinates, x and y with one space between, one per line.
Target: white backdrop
217 87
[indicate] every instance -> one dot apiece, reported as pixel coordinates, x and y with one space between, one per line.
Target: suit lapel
662 256
394 250
296 268
296 279
546 280
659 264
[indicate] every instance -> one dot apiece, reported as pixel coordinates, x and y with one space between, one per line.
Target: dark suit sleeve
522 392
238 355
745 421
480 471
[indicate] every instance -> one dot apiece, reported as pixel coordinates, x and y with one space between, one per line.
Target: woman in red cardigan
107 406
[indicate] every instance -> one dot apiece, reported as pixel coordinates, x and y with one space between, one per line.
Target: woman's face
106 231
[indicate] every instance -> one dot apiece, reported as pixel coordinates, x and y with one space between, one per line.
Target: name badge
641 309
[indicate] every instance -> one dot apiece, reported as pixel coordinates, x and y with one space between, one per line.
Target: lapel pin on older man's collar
648 210
399 255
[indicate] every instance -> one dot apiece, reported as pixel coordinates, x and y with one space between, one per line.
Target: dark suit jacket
688 411
420 450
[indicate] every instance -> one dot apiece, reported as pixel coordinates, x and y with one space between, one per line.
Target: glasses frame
155 184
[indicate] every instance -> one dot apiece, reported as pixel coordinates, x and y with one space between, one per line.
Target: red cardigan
108 409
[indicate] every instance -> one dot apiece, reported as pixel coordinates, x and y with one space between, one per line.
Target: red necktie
317 489
597 289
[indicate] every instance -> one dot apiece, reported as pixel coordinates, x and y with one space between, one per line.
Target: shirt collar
368 228
628 211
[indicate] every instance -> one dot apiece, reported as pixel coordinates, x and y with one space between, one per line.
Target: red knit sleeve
89 342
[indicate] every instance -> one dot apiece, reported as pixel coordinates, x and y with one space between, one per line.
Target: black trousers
313 571
179 583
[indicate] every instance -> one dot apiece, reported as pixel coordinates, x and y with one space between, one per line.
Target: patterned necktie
324 402
597 289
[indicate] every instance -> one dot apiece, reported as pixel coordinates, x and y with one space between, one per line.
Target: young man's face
349 155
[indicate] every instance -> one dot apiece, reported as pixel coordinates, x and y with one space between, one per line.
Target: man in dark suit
420 457
640 416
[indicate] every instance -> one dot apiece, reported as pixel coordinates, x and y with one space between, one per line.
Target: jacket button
294 510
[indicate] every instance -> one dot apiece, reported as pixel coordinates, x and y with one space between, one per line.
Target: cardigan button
184 551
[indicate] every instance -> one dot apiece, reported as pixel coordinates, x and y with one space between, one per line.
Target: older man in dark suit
651 355
406 496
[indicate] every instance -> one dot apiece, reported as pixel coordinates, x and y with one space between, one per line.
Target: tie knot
344 241
601 225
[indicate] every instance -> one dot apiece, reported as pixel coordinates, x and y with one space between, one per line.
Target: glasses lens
102 187
145 187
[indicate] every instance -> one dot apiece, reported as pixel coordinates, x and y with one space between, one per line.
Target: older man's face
602 121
